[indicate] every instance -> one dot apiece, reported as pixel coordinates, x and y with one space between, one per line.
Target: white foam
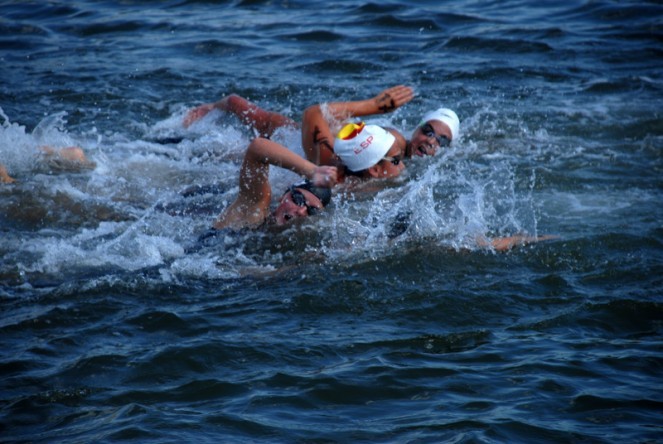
451 200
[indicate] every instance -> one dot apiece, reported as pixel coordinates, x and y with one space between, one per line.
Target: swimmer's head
322 193
301 200
436 130
370 149
448 117
361 146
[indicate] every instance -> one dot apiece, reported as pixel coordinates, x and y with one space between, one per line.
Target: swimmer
69 158
251 208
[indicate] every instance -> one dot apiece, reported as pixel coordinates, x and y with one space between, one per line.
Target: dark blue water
117 326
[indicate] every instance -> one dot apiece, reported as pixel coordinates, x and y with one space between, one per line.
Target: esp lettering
365 144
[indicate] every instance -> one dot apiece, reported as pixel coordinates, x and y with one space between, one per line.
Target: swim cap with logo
446 116
361 146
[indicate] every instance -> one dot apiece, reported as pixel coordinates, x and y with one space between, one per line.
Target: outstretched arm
265 122
317 137
252 204
386 102
507 243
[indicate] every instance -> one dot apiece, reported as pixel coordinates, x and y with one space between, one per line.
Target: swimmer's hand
507 243
392 98
4 175
324 176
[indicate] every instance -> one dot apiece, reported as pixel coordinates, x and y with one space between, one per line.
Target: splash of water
134 212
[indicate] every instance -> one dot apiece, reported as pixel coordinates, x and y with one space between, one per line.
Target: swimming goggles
393 159
428 131
299 199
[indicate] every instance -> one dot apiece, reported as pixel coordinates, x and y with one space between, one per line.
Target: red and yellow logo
351 130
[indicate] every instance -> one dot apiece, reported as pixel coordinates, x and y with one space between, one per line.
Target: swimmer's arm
266 152
317 137
507 243
263 121
387 101
251 207
254 189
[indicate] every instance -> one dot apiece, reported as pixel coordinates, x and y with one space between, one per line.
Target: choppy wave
379 321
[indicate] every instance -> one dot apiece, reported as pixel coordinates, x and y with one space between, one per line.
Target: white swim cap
446 116
361 146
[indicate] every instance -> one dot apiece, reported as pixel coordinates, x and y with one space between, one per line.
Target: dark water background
116 326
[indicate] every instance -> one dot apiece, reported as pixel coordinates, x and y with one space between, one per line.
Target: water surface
117 325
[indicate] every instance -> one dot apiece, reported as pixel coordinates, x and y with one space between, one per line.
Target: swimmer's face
428 138
295 204
390 166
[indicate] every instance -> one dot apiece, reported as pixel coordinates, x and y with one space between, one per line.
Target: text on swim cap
365 144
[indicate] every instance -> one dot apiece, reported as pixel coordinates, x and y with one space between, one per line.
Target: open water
116 325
